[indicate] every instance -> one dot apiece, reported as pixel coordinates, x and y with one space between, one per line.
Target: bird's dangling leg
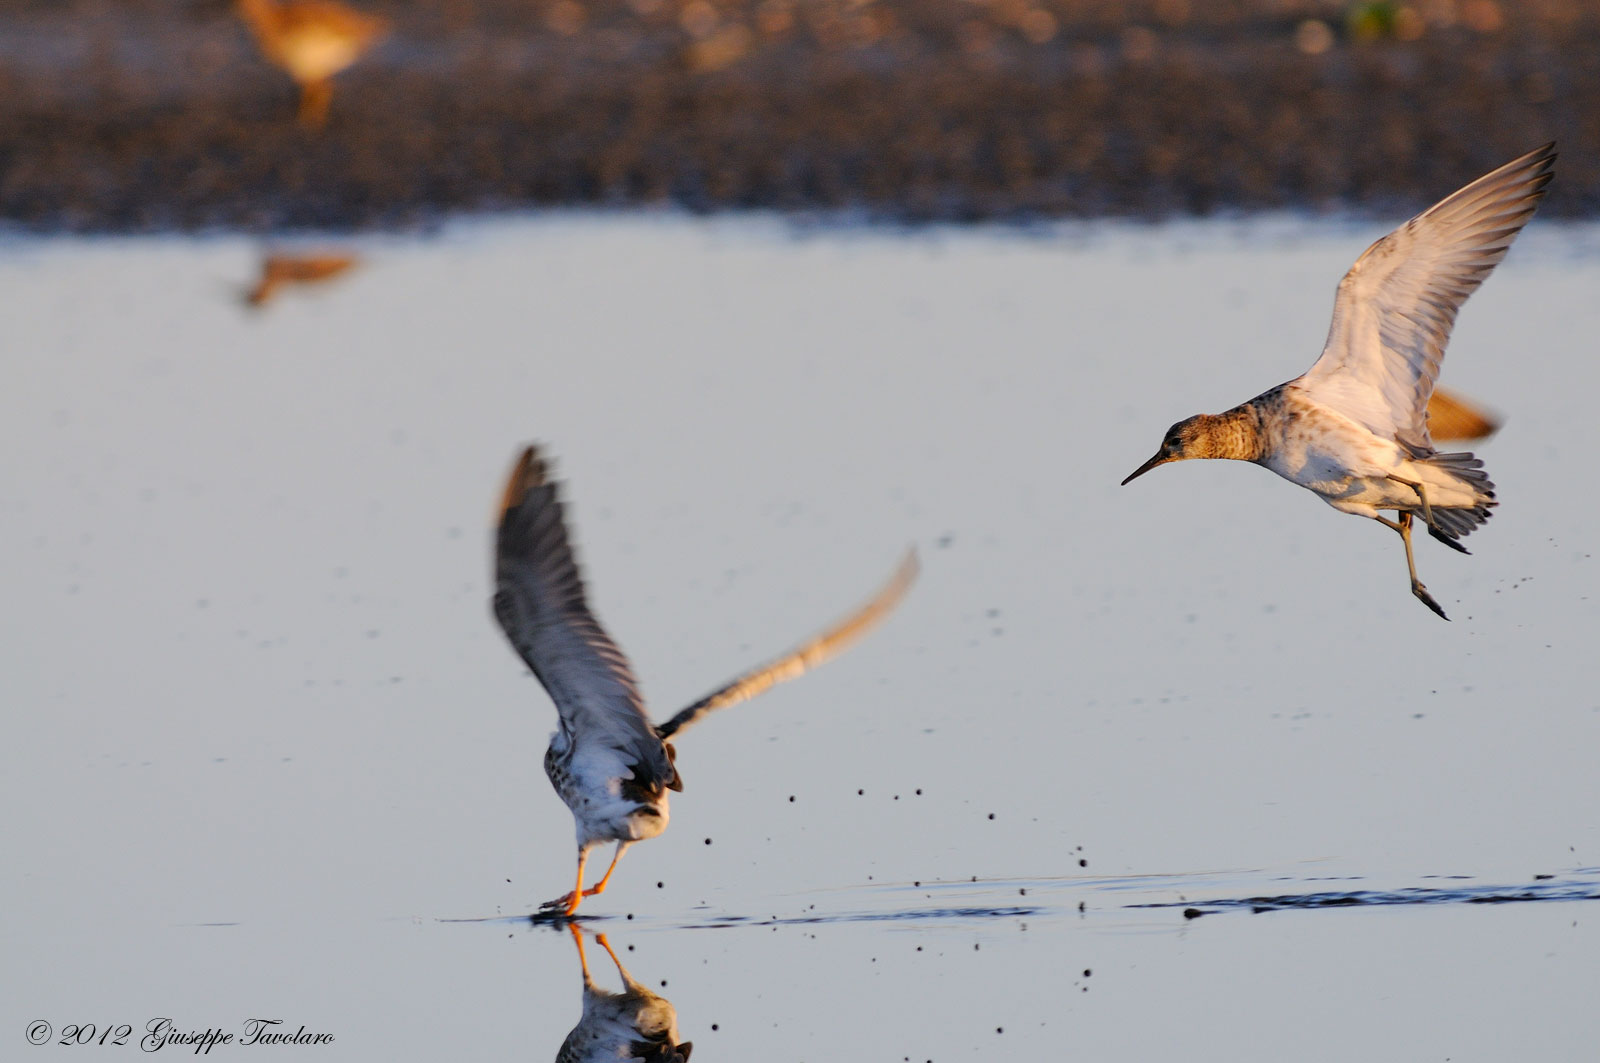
568 904
600 887
1403 526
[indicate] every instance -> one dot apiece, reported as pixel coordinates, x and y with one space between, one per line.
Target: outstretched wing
1395 308
539 601
798 661
1453 418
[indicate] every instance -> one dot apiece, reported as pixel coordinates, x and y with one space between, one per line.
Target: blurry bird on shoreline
610 765
1354 428
312 40
280 268
633 1024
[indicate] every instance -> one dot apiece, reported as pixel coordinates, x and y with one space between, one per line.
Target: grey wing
1395 308
804 658
539 601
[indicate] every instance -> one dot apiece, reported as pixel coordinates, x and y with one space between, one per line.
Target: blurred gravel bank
153 114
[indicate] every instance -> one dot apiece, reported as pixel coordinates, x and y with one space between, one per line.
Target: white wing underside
1395 308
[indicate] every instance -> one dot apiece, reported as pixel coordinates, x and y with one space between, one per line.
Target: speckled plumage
1354 428
611 766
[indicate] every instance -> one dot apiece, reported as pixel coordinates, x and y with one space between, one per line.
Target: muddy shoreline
148 115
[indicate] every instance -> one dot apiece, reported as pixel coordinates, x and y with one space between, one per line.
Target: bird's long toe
562 905
1427 599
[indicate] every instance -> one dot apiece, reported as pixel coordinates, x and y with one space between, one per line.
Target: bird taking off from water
1354 428
609 763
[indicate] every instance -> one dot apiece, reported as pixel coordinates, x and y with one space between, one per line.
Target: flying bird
1354 428
312 40
609 763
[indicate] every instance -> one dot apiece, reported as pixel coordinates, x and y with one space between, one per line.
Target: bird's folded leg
1422 495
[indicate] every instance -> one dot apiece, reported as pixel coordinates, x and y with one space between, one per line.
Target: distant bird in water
278 269
610 765
1454 418
312 40
1354 427
633 1024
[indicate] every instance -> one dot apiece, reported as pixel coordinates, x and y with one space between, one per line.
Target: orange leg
600 887
315 96
622 971
583 961
568 904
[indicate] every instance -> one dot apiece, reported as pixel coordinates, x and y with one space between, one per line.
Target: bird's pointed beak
1161 458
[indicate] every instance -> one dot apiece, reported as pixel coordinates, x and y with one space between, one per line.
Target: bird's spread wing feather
539 601
1453 418
1395 308
802 659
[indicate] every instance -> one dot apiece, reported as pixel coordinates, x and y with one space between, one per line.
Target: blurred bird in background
312 40
281 268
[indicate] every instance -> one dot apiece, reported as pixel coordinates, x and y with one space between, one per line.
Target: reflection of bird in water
608 763
1354 427
634 1024
278 269
312 40
1452 418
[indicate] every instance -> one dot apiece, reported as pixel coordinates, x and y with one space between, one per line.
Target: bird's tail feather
1453 522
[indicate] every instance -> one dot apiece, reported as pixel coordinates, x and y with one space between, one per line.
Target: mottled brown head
1186 439
1235 434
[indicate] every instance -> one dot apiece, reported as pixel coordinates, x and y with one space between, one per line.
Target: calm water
269 757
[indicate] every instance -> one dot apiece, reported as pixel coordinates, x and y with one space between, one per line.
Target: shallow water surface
1176 770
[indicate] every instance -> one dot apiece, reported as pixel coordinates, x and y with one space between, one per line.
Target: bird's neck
1235 434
